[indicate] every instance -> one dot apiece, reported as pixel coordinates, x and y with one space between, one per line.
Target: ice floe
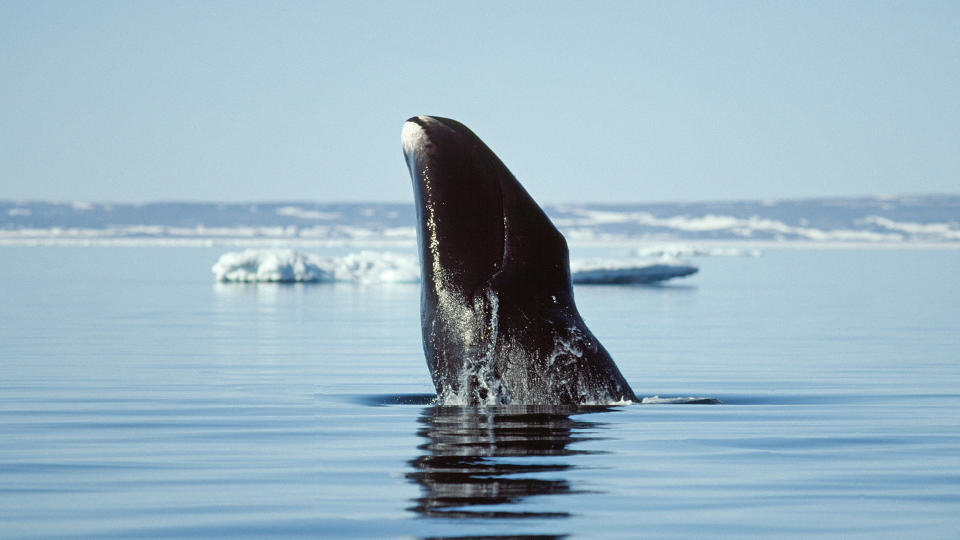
290 266
657 400
612 271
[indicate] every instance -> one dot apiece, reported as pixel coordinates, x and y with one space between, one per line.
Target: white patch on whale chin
413 137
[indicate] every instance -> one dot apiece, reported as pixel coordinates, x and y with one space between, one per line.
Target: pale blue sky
584 101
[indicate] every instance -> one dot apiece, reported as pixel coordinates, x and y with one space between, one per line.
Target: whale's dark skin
498 317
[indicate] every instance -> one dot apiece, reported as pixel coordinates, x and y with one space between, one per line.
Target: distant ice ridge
890 221
675 251
583 223
291 266
938 231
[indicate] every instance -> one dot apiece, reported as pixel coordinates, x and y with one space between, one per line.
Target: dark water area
141 399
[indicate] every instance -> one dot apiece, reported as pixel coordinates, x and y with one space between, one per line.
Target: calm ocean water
141 399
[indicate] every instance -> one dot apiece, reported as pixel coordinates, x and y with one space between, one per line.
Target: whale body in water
499 321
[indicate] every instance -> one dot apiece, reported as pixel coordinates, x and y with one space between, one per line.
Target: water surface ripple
141 400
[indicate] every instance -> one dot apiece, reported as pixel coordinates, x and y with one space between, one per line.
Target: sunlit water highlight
140 399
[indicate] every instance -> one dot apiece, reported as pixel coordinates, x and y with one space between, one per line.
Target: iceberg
291 266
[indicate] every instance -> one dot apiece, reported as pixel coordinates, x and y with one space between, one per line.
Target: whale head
499 322
476 220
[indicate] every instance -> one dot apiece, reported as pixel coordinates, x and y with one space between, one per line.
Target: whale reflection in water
483 462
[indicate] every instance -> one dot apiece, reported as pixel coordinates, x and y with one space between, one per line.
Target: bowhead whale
499 322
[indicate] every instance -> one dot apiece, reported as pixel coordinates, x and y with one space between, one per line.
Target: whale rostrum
499 321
